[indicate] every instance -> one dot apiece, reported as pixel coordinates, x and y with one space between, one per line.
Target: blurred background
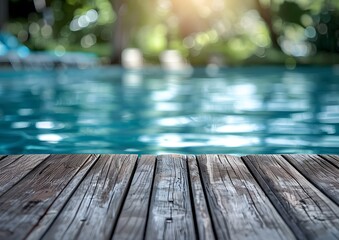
221 32
197 105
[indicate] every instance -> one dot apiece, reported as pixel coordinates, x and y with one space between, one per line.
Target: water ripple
238 111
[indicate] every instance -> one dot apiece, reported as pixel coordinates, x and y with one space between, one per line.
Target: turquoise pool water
108 110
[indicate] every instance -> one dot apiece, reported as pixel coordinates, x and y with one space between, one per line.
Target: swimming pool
108 110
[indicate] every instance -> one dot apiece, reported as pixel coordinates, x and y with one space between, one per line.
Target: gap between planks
142 210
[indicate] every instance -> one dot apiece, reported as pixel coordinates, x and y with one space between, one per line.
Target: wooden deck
169 197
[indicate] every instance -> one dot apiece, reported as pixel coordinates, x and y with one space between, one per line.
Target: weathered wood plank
9 160
13 168
334 159
319 172
170 213
2 157
133 217
53 211
309 213
22 206
239 207
93 209
202 215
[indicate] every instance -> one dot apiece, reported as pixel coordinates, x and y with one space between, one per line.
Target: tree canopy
235 32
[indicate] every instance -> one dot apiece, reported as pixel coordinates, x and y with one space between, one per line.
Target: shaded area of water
108 110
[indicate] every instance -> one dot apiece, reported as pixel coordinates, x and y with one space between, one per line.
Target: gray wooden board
202 215
239 207
310 214
133 217
40 195
93 209
50 215
319 172
2 156
9 160
170 213
334 159
22 206
14 167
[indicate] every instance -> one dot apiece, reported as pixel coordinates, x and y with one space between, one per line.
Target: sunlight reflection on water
109 110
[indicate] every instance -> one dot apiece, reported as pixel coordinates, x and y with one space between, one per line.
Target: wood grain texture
53 211
133 217
310 214
319 172
239 207
9 160
22 206
334 159
93 209
14 167
169 197
170 213
202 215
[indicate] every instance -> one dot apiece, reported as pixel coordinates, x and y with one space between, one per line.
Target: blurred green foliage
73 25
219 31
